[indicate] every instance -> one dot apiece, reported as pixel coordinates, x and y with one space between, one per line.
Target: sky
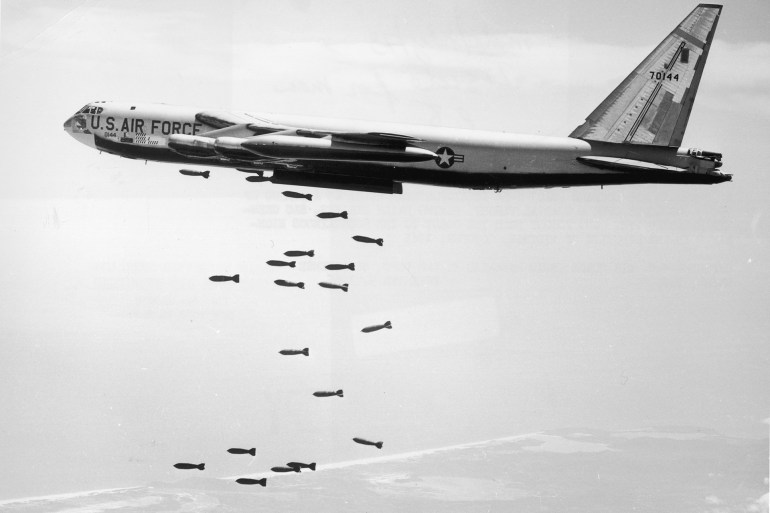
617 308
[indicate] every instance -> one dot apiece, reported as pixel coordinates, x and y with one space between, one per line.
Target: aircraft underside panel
336 181
386 178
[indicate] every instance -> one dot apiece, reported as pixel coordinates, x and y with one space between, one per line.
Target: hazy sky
615 308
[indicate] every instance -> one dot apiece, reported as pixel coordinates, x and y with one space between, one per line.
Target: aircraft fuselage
633 136
455 157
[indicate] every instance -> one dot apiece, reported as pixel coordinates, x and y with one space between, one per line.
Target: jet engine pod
192 145
311 148
230 147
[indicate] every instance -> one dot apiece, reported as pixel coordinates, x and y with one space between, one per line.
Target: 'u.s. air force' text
140 126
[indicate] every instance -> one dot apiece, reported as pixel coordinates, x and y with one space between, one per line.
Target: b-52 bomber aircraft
633 136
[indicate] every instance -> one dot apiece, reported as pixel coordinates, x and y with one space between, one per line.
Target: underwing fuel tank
298 147
192 145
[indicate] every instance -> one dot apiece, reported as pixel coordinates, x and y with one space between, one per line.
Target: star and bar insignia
445 157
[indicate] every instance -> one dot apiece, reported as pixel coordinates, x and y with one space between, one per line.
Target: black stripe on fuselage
440 177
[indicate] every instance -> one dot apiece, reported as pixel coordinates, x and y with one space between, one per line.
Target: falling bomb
310 253
338 393
333 215
190 466
340 267
327 285
247 481
235 450
297 464
284 283
285 469
363 441
297 195
377 327
368 240
281 263
236 278
190 172
292 352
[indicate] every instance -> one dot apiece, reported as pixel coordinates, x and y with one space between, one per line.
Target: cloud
760 505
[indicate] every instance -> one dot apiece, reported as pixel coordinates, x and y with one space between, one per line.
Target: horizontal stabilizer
618 164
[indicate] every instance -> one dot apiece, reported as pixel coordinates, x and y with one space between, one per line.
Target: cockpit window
90 109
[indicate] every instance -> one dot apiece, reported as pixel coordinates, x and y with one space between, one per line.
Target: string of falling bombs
295 466
344 287
292 466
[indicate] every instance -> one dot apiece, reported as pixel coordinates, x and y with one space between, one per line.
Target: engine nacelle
192 145
311 148
231 148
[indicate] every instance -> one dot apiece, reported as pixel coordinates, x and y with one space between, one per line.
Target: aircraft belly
499 167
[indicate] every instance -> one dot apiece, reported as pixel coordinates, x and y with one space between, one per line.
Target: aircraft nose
68 123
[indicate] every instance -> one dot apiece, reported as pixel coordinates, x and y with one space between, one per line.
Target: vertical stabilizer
652 105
